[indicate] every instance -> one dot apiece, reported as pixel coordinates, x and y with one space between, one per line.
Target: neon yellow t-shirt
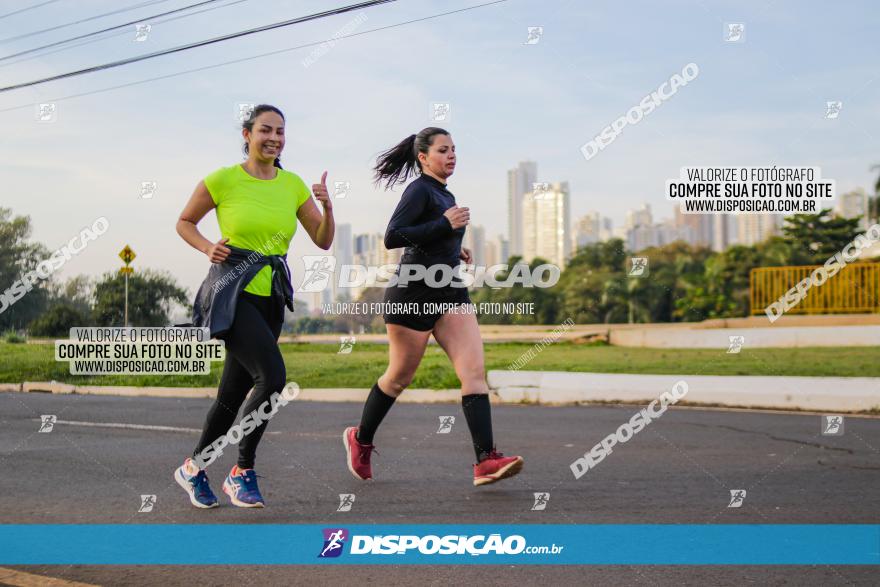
257 214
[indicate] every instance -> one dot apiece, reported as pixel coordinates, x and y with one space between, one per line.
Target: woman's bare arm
199 204
320 227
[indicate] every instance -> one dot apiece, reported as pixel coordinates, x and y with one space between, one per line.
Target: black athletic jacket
418 224
214 306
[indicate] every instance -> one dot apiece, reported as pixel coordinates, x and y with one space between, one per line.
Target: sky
760 102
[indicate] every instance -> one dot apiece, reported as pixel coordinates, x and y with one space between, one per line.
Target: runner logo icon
319 269
737 497
334 541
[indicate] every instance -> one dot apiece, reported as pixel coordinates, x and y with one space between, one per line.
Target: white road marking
133 426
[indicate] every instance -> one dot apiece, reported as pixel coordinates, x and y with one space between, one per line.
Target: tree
58 321
591 288
369 322
291 317
595 288
614 299
310 325
546 300
816 237
150 297
77 292
722 291
775 251
18 257
674 269
610 254
583 295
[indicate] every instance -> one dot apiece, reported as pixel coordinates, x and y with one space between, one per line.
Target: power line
19 11
107 30
62 26
252 57
87 42
138 58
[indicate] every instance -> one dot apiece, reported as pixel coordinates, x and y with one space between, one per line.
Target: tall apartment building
520 181
547 224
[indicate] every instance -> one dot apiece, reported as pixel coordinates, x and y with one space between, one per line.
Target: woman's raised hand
321 193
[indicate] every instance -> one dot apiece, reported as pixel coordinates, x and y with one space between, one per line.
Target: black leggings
253 359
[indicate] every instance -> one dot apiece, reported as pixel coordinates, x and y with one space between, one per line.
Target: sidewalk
830 394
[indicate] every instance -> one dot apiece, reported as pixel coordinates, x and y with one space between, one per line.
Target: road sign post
127 255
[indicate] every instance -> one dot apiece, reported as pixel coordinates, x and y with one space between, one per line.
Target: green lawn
319 365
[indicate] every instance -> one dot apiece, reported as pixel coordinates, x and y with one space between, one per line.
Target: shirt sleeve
402 229
302 191
215 184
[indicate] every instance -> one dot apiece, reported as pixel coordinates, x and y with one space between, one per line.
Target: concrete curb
755 337
833 394
829 394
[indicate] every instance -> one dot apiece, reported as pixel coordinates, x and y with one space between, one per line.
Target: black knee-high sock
375 408
479 418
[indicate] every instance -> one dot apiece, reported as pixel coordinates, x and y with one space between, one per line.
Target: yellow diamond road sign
127 255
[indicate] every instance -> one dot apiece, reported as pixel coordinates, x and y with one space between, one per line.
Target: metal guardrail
854 289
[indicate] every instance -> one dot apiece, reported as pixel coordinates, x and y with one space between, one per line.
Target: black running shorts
419 306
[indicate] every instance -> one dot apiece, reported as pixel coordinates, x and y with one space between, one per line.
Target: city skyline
547 231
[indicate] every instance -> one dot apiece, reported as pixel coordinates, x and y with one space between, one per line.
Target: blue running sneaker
242 489
196 486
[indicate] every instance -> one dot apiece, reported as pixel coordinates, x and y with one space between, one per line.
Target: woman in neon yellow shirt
258 204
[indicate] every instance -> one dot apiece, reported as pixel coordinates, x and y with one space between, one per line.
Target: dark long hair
249 124
402 160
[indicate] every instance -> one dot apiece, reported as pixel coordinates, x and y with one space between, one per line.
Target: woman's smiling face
266 141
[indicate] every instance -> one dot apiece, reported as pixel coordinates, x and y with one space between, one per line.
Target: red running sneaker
496 467
358 455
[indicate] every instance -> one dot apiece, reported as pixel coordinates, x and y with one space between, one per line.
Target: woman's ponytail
400 161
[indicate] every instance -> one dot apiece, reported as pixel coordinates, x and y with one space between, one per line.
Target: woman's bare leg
405 350
459 336
406 347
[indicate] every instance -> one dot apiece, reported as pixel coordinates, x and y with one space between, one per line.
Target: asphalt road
678 470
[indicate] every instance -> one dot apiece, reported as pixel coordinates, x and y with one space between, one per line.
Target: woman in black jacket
430 225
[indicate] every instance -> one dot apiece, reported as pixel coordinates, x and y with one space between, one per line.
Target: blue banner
278 544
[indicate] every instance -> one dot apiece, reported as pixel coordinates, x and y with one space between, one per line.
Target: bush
57 321
13 337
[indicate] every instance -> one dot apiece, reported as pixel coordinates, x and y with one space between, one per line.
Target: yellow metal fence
854 289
